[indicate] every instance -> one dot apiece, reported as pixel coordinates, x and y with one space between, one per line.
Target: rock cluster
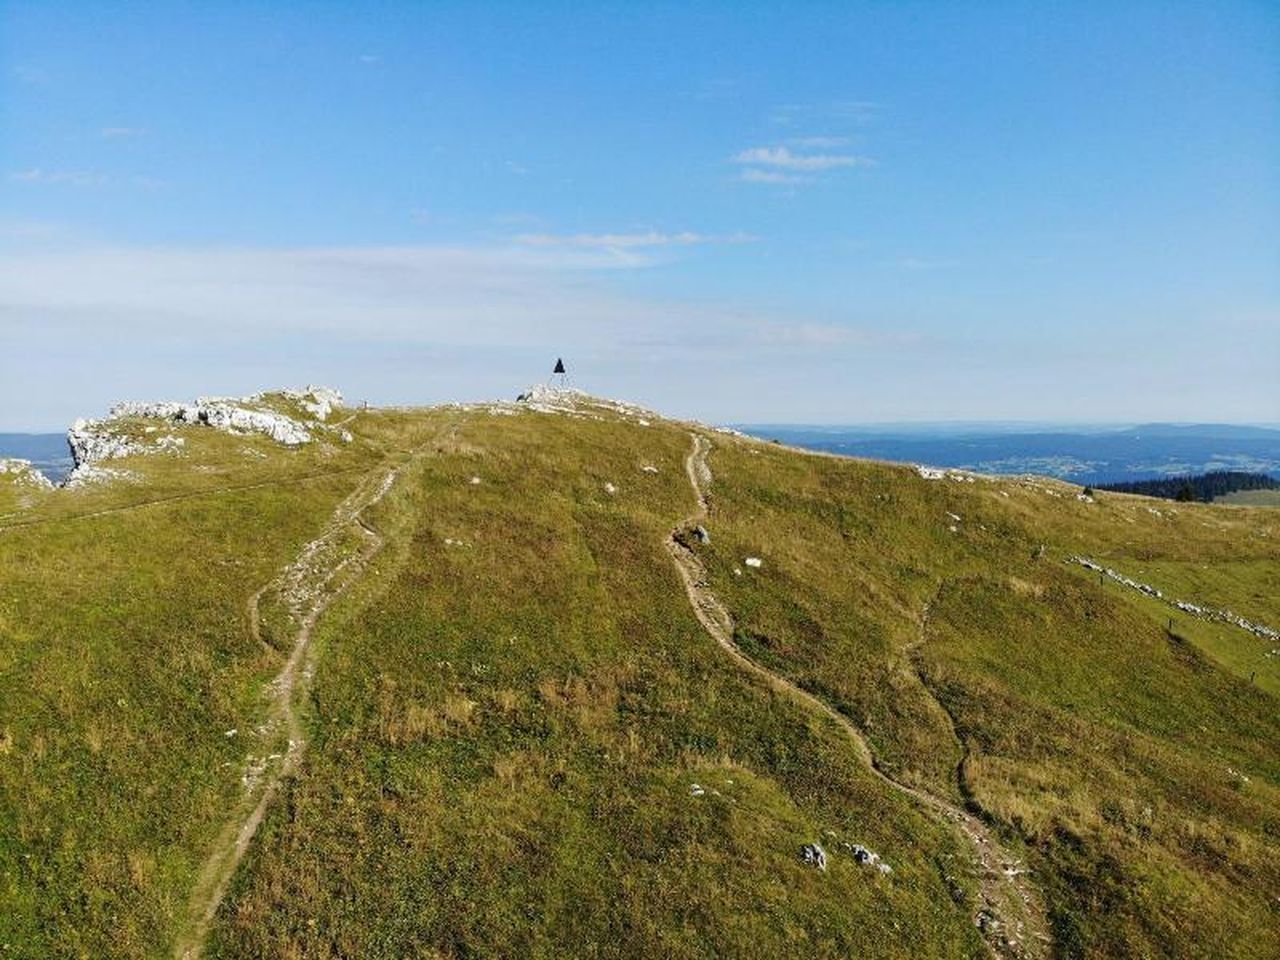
939 473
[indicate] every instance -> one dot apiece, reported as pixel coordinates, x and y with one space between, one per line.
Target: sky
799 212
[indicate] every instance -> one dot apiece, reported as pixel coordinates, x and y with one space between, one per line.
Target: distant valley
1084 455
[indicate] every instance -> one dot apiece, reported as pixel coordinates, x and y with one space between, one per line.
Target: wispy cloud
38 176
370 58
122 133
784 158
818 143
75 178
29 75
839 111
628 241
754 175
393 323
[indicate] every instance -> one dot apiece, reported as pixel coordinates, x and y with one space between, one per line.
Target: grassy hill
440 692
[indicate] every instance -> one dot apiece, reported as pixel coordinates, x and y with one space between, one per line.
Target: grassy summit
453 666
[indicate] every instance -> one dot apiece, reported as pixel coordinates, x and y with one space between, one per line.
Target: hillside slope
449 687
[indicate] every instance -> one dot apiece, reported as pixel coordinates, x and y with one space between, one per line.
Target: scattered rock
475 481
649 468
697 789
755 562
700 532
930 473
868 857
610 489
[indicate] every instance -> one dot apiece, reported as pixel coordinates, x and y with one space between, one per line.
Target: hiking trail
1010 913
321 572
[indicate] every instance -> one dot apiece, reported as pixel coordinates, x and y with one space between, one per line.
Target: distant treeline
1201 486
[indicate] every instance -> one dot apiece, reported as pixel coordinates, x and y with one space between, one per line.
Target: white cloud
122 133
784 158
76 178
370 58
753 175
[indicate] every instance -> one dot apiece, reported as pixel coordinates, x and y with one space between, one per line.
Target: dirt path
1010 914
321 572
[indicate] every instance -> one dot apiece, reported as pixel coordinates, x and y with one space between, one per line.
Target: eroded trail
1010 914
321 572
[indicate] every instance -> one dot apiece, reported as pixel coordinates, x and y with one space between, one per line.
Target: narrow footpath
1010 914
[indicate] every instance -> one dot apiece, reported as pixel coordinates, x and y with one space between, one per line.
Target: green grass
508 733
505 730
124 658
1115 751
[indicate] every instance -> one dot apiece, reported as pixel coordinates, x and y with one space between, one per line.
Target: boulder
812 854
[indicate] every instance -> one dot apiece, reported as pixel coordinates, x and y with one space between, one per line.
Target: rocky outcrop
579 403
22 473
93 442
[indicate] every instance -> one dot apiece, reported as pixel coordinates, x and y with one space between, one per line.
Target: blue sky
801 212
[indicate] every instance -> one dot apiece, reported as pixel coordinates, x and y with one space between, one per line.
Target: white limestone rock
87 474
93 442
812 854
317 401
578 403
